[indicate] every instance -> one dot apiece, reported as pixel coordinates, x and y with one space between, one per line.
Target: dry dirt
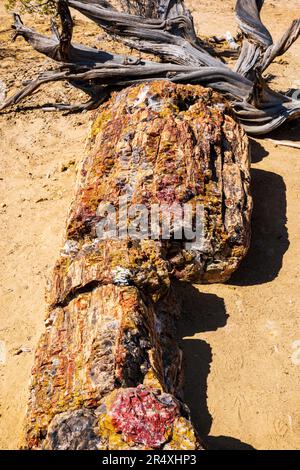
241 340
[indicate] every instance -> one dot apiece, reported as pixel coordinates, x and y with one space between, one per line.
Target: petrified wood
108 370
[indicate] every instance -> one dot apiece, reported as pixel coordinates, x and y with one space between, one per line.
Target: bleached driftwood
170 34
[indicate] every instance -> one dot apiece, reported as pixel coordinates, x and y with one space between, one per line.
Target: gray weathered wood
169 34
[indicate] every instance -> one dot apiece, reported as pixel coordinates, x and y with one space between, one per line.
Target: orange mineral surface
108 370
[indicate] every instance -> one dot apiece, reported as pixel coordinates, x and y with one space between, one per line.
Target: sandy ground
241 340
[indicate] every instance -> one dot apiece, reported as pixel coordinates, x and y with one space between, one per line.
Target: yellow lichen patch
151 380
101 119
183 436
115 442
110 438
106 426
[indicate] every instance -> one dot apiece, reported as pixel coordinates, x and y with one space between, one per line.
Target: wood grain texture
168 32
110 340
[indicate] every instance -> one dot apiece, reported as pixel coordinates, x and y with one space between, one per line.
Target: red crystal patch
143 416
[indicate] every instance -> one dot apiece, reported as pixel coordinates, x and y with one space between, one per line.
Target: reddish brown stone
110 330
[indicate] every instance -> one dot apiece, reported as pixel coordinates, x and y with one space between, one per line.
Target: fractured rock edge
108 369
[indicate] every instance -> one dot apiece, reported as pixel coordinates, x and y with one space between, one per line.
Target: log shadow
290 130
226 443
258 152
270 239
201 312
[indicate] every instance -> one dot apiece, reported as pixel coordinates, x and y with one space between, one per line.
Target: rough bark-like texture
103 340
108 370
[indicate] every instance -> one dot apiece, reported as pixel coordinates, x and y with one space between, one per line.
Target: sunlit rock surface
110 336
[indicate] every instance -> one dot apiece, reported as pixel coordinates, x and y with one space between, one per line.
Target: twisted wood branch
169 34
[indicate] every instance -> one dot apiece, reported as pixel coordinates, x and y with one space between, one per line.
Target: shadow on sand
206 312
201 312
269 231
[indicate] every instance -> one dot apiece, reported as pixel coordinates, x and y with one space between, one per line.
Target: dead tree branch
169 33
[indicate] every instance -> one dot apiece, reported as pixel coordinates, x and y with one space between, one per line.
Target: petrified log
108 370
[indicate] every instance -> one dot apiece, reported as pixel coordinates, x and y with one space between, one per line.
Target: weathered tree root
170 34
108 369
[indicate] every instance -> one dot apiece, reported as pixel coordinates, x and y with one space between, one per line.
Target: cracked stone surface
110 330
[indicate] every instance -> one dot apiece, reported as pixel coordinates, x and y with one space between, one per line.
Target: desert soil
241 340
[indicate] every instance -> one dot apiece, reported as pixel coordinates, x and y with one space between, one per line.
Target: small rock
22 349
2 91
231 41
42 199
66 166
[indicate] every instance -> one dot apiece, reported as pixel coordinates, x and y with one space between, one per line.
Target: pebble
22 349
42 199
66 166
2 91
